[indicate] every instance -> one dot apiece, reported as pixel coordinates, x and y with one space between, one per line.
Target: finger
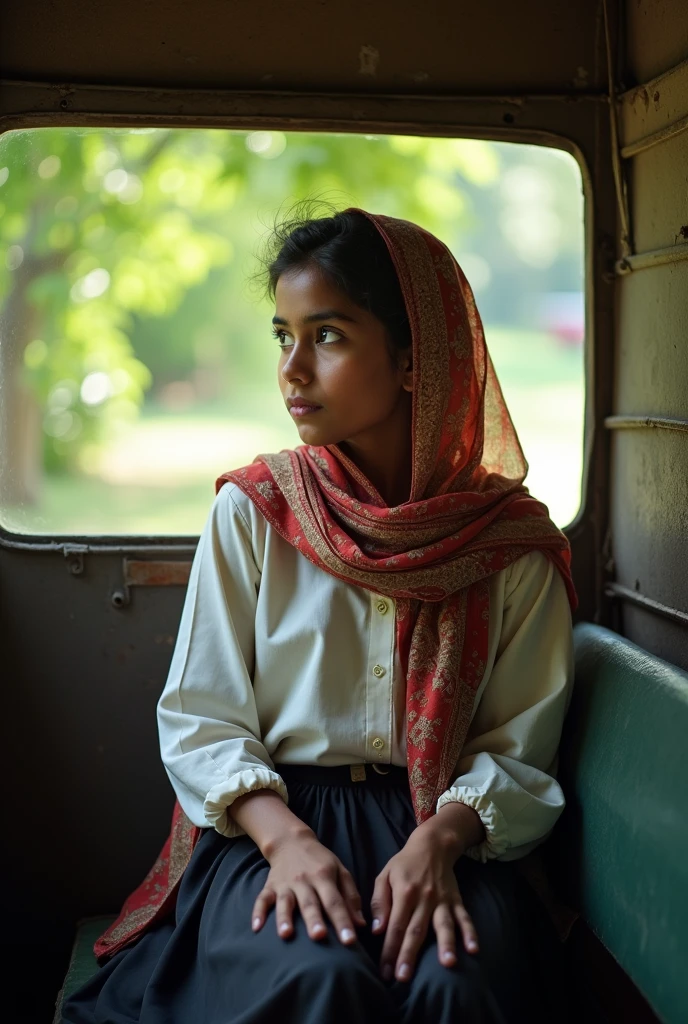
351 895
402 907
468 932
311 910
284 914
381 903
414 936
266 899
445 929
335 907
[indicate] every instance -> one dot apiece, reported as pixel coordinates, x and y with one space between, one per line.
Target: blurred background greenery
136 362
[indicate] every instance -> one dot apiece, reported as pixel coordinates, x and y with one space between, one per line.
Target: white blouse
277 661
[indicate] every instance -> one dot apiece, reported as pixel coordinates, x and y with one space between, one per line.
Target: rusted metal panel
649 467
87 679
649 523
656 37
405 46
652 354
650 112
659 194
139 573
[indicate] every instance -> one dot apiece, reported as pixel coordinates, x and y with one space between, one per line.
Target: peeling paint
580 79
138 573
368 60
641 95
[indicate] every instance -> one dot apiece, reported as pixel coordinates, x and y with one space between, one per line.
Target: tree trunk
21 455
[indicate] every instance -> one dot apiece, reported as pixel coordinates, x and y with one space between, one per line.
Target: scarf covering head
468 514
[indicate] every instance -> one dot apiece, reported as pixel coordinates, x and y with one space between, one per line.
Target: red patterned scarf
468 516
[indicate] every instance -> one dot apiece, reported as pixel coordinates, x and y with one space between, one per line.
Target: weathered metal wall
649 482
401 46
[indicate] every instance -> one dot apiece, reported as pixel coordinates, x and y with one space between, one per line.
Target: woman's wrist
264 816
455 828
294 833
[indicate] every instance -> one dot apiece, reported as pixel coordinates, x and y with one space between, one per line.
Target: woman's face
336 374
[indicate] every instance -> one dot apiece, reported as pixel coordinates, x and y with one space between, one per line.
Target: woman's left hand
418 887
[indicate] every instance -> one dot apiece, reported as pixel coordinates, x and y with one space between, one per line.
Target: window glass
136 360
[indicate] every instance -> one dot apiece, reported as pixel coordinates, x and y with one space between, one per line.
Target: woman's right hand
305 875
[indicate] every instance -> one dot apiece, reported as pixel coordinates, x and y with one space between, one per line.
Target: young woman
364 706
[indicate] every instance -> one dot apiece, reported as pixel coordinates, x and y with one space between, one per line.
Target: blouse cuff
221 797
496 838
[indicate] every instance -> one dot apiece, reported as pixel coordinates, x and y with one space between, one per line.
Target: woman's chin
318 438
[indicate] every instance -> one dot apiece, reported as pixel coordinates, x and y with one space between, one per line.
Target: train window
136 362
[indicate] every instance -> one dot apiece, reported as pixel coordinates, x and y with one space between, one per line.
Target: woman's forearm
265 817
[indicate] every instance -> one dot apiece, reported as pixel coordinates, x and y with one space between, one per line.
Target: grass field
158 478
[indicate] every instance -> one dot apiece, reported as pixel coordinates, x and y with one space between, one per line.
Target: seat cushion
624 768
82 964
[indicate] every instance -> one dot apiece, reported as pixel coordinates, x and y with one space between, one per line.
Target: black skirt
205 965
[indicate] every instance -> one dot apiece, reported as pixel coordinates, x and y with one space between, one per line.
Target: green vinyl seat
82 964
623 842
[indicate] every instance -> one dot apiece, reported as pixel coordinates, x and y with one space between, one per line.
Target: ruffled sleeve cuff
222 796
496 833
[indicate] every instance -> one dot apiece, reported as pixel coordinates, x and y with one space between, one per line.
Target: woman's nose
297 366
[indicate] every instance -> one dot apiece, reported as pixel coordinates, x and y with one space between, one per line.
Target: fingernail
256 923
346 935
387 972
404 972
376 923
472 946
284 928
448 957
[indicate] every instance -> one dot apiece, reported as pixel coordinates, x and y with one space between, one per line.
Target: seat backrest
624 768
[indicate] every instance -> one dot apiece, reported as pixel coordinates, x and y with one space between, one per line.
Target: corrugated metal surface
652 348
659 191
649 467
650 526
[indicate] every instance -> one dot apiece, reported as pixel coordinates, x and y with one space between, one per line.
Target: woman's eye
324 331
281 338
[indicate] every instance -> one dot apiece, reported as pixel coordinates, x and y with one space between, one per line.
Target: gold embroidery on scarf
181 849
432 380
464 567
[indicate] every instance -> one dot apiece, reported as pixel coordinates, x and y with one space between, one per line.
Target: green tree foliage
103 230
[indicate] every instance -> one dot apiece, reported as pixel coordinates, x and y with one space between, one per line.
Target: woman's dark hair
353 256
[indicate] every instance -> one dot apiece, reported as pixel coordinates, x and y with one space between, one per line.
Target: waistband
378 775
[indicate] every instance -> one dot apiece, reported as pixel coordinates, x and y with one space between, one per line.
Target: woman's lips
301 408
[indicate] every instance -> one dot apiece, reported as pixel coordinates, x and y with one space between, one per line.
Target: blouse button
381 607
378 743
378 671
